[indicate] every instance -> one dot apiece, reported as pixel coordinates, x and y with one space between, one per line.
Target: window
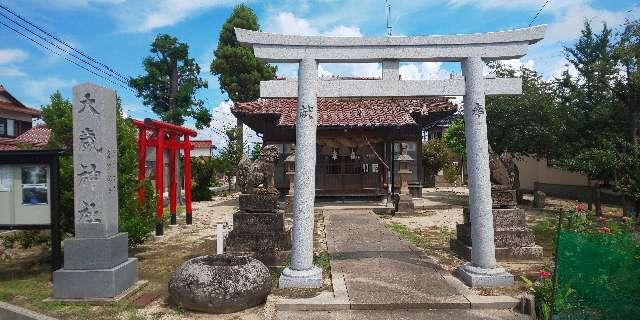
11 127
3 127
34 185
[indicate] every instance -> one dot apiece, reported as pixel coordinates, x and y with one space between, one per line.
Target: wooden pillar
142 160
187 178
172 178
160 182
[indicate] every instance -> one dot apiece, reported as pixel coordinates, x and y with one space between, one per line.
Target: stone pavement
378 275
379 268
402 315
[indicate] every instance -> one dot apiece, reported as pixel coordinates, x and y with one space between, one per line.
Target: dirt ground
436 227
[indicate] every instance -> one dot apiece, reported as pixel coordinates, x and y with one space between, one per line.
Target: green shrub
202 173
451 173
139 223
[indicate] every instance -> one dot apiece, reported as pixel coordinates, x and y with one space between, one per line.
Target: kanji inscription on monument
94 147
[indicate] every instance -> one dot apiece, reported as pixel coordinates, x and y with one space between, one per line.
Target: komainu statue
258 176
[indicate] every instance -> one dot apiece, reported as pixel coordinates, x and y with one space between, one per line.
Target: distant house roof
37 137
350 112
10 103
201 144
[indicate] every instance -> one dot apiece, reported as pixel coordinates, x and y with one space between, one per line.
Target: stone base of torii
472 50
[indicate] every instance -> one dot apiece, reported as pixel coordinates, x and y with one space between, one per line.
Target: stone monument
513 239
258 226
405 204
96 262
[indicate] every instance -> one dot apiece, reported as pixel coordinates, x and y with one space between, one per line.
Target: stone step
511 237
533 252
503 218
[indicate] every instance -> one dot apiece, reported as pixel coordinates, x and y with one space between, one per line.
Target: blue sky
118 33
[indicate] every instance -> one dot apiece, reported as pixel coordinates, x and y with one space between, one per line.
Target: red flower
605 230
544 274
581 207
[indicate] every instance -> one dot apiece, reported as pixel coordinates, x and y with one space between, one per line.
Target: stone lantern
404 161
290 170
404 199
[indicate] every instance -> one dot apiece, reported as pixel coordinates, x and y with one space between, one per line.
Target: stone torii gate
472 50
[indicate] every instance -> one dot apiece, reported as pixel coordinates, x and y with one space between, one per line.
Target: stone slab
95 253
311 278
103 283
258 202
258 222
502 254
132 290
504 198
503 218
510 238
411 314
492 302
325 301
12 312
476 277
258 243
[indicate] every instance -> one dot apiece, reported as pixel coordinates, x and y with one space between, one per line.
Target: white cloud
424 71
144 16
9 71
12 55
287 23
40 90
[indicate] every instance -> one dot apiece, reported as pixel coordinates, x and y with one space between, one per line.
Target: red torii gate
165 136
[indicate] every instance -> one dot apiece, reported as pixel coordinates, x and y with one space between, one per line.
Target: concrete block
478 277
102 283
95 253
492 302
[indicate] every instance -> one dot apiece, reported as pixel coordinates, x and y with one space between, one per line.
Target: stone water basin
220 284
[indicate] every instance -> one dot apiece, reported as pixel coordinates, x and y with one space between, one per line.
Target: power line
115 73
58 53
62 49
539 11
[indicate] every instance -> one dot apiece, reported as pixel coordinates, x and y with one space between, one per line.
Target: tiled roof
37 136
15 105
12 107
201 144
351 112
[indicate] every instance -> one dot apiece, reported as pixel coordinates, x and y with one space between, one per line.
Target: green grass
545 233
323 261
30 284
411 236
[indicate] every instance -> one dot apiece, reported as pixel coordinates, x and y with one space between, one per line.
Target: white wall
532 170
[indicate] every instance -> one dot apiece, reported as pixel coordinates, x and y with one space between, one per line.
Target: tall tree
592 116
627 85
237 68
171 83
526 124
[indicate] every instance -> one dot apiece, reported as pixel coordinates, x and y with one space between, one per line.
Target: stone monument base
265 201
405 205
513 239
261 235
311 278
479 277
98 283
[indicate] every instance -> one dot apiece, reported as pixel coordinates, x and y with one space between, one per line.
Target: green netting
598 276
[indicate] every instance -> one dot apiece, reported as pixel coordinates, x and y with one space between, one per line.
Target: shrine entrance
347 169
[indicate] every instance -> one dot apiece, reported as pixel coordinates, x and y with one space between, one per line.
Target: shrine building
356 138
